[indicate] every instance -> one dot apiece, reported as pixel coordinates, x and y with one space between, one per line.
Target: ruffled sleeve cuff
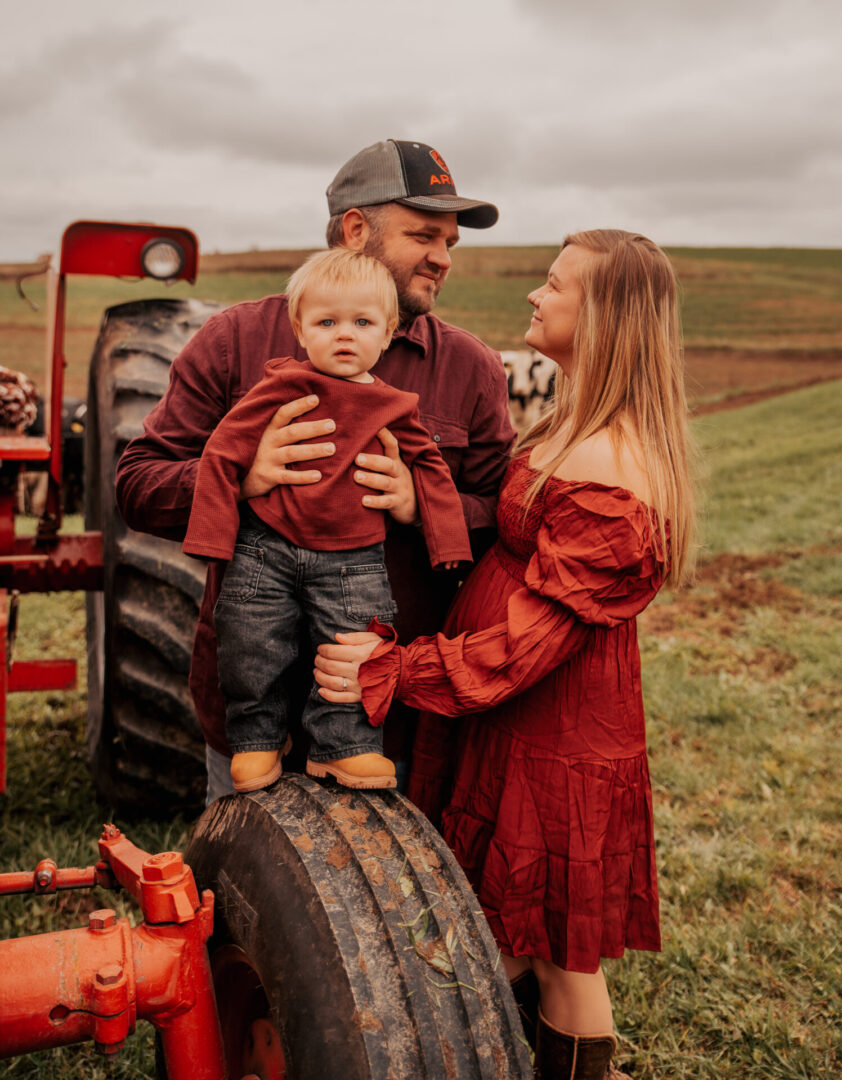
380 675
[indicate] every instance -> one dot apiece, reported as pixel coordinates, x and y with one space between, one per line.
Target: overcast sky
696 121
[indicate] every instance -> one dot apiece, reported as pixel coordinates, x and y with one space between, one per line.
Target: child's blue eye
325 322
363 322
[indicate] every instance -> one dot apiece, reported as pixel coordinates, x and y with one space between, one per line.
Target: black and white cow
530 377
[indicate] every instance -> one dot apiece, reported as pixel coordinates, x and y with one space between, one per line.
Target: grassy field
745 718
754 318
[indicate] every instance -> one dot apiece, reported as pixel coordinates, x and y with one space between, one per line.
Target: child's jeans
270 592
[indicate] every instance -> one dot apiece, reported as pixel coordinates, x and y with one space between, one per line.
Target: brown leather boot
527 996
559 1056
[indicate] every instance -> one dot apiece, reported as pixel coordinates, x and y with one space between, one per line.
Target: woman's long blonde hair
629 370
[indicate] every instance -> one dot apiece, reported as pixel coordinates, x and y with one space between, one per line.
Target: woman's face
557 305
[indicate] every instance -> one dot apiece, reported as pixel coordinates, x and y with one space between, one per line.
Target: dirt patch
711 616
742 584
719 379
727 588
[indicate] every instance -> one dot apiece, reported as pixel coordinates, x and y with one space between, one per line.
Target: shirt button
437 438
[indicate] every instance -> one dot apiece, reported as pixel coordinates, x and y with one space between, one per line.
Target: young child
312 553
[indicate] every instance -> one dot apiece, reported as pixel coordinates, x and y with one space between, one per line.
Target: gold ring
344 684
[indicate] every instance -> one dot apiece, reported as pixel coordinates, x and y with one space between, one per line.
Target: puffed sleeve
596 564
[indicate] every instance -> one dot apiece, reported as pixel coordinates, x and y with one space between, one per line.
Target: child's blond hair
338 268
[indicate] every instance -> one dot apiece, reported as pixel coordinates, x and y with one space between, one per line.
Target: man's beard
410 304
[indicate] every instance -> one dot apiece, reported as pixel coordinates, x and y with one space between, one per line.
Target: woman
543 792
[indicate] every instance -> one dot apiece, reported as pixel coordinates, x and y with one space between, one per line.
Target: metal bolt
163 867
109 975
102 919
45 874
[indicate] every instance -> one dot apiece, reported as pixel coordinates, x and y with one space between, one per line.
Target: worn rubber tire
321 891
144 743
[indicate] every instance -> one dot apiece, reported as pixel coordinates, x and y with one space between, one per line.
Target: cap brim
470 213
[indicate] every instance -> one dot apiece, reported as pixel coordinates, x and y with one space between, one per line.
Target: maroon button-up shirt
463 403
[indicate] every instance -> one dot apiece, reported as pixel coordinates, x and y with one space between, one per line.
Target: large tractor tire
145 746
348 944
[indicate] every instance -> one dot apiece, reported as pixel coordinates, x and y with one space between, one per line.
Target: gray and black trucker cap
406 172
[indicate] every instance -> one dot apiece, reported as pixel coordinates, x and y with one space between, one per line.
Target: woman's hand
337 666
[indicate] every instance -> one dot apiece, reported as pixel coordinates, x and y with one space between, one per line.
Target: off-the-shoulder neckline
614 488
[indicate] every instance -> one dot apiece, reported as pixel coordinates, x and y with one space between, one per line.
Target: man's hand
279 447
387 474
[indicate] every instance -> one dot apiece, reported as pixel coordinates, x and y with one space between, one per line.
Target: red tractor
50 561
309 932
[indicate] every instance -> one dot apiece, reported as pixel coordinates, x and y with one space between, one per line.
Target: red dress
543 793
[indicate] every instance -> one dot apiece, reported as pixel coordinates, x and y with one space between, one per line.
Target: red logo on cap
439 160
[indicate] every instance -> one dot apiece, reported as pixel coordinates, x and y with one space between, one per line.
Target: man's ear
355 230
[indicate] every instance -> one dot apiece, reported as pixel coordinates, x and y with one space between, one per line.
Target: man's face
415 247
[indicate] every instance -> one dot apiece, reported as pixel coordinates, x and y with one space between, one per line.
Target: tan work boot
362 771
256 769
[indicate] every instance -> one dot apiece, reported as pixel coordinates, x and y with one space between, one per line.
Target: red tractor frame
49 562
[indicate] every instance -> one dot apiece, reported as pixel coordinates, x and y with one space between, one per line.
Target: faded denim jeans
270 592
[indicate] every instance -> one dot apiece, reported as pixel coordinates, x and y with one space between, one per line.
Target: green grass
772 299
744 705
776 472
741 677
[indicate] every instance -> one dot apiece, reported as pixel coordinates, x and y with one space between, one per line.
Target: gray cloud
91 57
647 22
735 130
708 121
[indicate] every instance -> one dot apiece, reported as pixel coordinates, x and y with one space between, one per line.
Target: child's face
344 331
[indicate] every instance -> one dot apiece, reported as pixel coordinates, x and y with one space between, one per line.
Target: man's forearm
155 495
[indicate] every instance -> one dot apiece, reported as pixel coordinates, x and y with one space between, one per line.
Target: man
395 200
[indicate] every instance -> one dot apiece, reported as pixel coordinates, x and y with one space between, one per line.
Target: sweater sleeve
589 569
439 504
227 457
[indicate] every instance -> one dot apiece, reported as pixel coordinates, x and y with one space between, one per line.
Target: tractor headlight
162 259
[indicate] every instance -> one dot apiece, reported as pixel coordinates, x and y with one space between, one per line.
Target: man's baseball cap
405 172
